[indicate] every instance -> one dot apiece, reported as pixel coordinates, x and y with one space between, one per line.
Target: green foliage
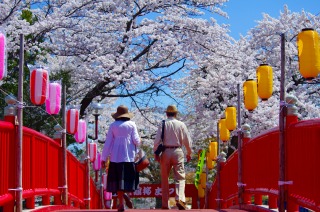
34 117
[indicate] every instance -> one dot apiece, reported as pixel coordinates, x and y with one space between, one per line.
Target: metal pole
281 129
96 119
218 170
64 150
88 174
206 190
240 183
20 126
101 190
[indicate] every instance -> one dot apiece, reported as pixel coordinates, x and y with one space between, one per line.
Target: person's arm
135 135
157 141
187 141
106 148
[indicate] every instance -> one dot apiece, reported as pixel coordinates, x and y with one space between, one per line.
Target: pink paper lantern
53 102
39 79
72 121
97 162
92 151
104 181
107 195
81 133
3 67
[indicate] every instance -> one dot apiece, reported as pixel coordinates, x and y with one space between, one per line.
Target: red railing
41 171
260 172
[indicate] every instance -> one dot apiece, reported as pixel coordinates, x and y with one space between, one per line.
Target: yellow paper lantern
200 192
213 150
231 118
308 53
264 81
224 132
250 94
203 179
209 161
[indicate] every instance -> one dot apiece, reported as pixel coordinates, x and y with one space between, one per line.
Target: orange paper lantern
308 53
264 81
250 94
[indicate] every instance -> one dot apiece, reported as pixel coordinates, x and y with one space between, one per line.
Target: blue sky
243 14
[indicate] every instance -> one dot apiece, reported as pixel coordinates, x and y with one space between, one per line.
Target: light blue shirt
121 142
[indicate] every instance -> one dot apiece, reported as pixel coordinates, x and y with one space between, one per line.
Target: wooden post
281 129
64 149
218 170
20 126
88 174
240 183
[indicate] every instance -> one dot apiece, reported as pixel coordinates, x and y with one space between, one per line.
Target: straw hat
122 112
172 109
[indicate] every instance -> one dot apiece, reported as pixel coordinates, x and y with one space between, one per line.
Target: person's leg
120 199
165 170
180 178
127 200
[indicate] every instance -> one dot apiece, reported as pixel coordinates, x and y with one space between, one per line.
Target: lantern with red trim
72 120
39 79
3 60
53 102
81 134
92 151
104 180
97 162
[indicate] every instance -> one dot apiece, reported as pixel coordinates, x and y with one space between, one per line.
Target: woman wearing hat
120 146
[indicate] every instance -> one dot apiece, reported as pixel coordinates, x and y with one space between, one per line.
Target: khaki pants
172 158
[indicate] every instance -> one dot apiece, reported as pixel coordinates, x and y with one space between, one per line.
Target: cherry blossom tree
146 50
209 89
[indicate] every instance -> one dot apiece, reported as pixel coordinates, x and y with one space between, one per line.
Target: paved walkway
155 210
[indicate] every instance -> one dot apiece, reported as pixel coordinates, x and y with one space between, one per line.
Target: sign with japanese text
154 190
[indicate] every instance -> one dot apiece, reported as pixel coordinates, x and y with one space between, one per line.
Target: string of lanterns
309 67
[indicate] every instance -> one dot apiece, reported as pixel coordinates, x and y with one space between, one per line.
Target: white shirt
175 134
121 142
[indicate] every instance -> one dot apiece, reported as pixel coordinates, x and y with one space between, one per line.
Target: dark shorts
122 177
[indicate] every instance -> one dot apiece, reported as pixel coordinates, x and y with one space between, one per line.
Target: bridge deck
155 210
44 209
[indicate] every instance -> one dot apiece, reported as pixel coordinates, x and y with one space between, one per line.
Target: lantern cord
20 105
285 182
283 104
239 184
4 92
15 189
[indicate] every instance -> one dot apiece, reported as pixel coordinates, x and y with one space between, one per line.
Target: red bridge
42 173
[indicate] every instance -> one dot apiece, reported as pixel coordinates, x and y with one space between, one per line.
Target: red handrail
41 174
261 169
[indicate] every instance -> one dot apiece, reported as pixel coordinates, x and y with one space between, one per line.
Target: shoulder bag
142 161
161 146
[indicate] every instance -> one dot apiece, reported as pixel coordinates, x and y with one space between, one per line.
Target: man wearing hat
175 136
120 146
